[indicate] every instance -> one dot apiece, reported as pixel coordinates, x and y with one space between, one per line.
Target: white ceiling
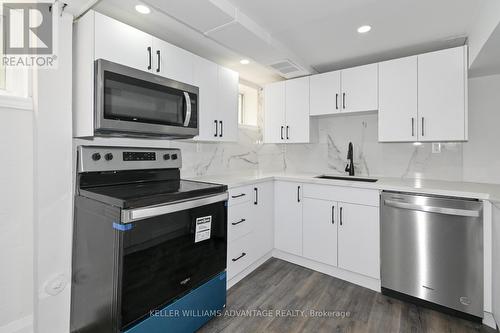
317 35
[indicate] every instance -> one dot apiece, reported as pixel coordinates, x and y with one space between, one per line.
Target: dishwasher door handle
432 209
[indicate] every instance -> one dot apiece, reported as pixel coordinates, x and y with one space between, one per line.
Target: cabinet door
360 88
120 43
205 78
297 110
442 105
227 104
263 215
397 115
172 62
358 239
288 217
274 112
325 93
319 221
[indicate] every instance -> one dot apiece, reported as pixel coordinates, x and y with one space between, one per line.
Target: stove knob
96 156
166 157
174 156
108 157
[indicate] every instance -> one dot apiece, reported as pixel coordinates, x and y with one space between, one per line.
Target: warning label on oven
203 227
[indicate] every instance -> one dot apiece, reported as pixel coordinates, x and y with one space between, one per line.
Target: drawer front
239 255
240 194
359 196
239 221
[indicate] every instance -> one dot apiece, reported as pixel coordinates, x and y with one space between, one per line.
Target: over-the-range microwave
131 102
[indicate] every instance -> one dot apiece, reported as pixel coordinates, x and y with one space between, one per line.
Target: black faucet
350 163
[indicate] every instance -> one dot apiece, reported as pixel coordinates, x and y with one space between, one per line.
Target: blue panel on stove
188 313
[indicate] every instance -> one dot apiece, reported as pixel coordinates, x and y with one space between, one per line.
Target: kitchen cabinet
360 88
358 239
398 117
288 217
287 111
227 104
205 75
263 215
320 220
172 62
325 93
424 97
121 43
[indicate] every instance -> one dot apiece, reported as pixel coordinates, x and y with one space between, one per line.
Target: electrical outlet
436 147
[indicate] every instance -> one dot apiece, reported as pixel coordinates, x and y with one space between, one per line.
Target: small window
248 105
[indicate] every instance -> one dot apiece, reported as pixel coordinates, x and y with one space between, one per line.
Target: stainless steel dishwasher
432 251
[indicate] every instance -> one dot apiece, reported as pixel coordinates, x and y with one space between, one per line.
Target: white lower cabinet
288 217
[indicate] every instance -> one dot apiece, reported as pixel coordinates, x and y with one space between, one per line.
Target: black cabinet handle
158 55
238 196
298 193
423 126
281 132
336 101
221 126
216 129
340 215
287 134
412 126
256 195
238 258
150 60
240 221
333 214
343 101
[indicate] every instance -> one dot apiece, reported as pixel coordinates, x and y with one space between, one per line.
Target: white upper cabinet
360 88
274 116
297 110
227 104
205 74
398 118
287 111
172 62
442 95
325 93
121 43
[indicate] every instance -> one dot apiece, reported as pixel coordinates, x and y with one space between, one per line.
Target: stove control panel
98 158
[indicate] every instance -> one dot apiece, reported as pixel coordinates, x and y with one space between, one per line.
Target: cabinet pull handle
216 129
423 126
158 55
238 258
287 134
256 196
240 221
343 101
149 55
281 132
298 193
221 127
238 196
341 216
333 214
336 101
412 126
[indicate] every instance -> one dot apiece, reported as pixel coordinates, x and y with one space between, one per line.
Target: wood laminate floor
279 285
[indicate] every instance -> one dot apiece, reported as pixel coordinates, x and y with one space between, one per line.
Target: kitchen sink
351 178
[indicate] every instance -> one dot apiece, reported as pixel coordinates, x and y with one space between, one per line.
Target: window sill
16 102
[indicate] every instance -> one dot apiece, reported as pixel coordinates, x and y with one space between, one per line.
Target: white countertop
482 191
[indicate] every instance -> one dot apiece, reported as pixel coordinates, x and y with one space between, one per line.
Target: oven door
137 103
169 250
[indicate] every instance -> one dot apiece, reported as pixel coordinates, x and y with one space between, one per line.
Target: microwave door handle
188 109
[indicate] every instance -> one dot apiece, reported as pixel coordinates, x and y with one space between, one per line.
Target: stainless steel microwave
131 102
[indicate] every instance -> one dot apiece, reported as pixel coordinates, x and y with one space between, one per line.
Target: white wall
16 220
496 262
485 23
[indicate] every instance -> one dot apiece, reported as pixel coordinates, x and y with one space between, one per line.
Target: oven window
130 99
162 261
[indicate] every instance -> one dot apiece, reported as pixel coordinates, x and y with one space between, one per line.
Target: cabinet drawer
359 196
240 194
239 220
239 255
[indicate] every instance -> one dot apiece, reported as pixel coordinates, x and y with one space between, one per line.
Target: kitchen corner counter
480 191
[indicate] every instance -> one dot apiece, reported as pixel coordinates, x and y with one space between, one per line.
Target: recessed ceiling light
244 61
364 29
143 9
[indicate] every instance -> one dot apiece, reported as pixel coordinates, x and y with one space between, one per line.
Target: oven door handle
136 214
188 109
